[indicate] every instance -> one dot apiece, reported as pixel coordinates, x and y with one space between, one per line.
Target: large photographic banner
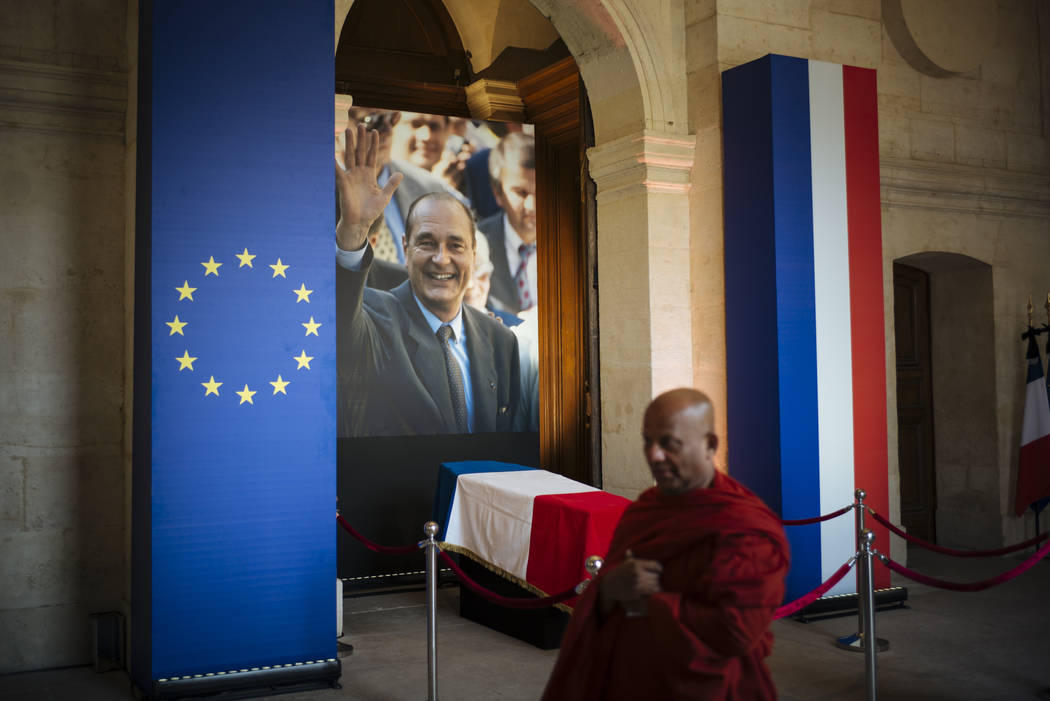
235 377
805 342
406 402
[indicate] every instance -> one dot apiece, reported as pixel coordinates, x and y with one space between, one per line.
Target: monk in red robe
682 607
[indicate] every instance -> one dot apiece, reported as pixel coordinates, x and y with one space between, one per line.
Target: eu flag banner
804 300
235 476
1033 471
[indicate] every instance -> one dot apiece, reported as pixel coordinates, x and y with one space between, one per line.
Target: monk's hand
629 582
361 200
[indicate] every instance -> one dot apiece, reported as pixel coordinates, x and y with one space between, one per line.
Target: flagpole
1031 330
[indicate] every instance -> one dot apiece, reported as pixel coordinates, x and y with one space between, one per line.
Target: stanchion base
855 643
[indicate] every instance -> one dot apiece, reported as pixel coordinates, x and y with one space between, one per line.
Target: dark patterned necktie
521 277
455 379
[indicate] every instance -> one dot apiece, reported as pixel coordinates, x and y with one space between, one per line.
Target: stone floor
946 645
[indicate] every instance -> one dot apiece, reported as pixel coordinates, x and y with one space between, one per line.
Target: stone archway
964 405
631 56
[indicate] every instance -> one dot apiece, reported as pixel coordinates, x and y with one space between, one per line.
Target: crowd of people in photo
489 170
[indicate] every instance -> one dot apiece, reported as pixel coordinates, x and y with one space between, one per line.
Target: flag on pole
1046 330
1033 474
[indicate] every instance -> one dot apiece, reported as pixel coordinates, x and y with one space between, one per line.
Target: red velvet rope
804 601
815 519
375 547
966 586
951 551
510 602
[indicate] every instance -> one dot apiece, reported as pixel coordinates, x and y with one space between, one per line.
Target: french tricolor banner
1033 474
804 301
532 526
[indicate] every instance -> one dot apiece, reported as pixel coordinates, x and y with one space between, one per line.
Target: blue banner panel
242 337
770 326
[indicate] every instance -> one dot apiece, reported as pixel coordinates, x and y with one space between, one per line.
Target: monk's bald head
678 433
685 399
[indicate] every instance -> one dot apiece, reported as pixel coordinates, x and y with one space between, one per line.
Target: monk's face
679 445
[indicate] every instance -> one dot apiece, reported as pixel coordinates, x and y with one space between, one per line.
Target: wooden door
555 104
911 307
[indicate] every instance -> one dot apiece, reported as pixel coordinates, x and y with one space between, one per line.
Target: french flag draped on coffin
804 301
532 526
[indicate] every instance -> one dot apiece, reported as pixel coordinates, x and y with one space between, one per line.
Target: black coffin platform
540 627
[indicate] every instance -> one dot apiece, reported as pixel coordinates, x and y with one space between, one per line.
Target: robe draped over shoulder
706 635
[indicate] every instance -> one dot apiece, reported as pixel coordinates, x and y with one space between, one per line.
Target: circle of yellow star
279 268
211 267
185 361
302 294
211 386
176 326
304 360
279 385
311 327
245 258
186 292
246 395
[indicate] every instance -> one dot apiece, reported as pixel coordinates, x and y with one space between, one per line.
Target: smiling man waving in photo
418 360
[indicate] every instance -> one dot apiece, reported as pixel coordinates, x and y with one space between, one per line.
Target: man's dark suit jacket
385 275
392 379
503 292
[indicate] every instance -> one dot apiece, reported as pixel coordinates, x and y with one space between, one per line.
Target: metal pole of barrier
859 496
430 529
592 564
867 595
856 642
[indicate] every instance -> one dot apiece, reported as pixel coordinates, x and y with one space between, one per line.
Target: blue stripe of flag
770 310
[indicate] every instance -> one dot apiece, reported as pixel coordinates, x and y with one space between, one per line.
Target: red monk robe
706 635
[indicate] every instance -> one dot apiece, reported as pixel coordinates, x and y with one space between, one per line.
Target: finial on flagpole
1030 311
1047 305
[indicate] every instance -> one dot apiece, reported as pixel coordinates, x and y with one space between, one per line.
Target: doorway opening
946 407
407 55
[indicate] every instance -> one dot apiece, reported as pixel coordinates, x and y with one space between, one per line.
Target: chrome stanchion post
858 505
867 594
593 565
430 529
857 642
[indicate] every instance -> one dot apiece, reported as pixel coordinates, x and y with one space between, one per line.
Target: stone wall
963 152
63 87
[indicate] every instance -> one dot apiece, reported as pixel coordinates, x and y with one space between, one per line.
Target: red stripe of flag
868 340
566 530
1033 469
1033 473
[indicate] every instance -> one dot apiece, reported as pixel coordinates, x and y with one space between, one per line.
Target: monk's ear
712 442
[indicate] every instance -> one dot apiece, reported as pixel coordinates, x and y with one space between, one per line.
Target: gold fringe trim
459 549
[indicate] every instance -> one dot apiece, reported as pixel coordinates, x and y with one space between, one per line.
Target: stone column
645 316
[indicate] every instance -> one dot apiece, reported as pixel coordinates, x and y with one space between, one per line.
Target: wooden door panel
552 99
915 451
